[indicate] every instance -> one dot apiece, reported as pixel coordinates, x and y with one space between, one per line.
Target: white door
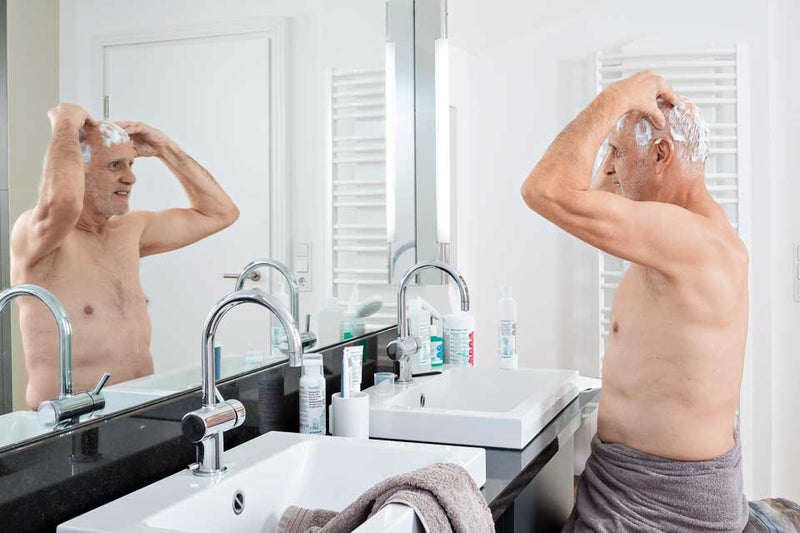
212 96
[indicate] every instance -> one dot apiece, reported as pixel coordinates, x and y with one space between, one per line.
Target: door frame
6 368
276 30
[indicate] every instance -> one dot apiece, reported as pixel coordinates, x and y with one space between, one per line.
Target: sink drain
238 502
422 400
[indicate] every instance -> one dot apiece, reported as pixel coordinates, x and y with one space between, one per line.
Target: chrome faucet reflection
249 272
68 408
405 346
217 415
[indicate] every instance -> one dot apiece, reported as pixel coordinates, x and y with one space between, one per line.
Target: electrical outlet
302 265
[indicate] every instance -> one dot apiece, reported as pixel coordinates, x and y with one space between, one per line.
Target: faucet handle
102 383
68 410
252 276
216 419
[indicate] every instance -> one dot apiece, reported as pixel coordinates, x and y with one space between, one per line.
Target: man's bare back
83 244
673 365
96 278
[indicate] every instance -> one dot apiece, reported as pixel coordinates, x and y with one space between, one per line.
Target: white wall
780 384
527 89
343 34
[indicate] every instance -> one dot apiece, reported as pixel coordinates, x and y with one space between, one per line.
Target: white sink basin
18 426
272 472
474 406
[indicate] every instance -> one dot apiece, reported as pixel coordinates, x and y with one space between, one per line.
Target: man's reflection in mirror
83 243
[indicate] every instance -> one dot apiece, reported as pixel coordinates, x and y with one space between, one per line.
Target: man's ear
664 151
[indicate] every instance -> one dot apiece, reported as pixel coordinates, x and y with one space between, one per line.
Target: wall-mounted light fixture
442 127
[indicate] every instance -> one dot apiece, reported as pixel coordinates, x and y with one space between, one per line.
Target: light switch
301 249
301 265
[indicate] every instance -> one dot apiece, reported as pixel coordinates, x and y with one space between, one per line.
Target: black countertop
508 472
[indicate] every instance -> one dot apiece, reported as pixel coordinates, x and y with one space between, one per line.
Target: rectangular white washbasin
272 472
473 406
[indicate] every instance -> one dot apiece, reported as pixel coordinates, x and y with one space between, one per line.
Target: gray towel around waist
444 497
623 490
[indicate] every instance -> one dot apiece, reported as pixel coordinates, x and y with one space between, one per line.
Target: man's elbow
536 194
230 215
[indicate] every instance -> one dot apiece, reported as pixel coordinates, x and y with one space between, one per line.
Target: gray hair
110 133
686 126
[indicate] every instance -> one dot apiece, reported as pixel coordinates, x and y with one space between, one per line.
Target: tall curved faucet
68 407
402 348
308 338
207 424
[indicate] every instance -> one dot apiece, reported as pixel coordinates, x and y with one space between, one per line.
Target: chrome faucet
217 415
249 272
67 409
405 346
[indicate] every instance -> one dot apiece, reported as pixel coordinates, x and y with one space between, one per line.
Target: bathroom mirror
303 112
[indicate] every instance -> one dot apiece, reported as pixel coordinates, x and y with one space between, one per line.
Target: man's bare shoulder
728 244
130 226
132 221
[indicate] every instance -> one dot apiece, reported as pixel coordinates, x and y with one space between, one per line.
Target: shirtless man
83 244
666 456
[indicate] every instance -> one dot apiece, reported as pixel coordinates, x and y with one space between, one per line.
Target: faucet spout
402 323
62 322
217 415
308 338
401 349
215 317
69 407
294 288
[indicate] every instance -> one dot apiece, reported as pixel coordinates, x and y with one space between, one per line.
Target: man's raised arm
211 208
657 234
41 230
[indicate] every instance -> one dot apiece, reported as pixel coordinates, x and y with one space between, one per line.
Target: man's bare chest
94 275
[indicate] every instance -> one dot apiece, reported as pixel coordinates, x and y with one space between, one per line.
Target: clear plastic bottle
330 322
312 395
419 326
507 330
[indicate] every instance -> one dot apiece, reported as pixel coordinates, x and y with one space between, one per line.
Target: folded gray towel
443 495
623 489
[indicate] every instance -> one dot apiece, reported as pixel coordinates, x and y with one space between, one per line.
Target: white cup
350 416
